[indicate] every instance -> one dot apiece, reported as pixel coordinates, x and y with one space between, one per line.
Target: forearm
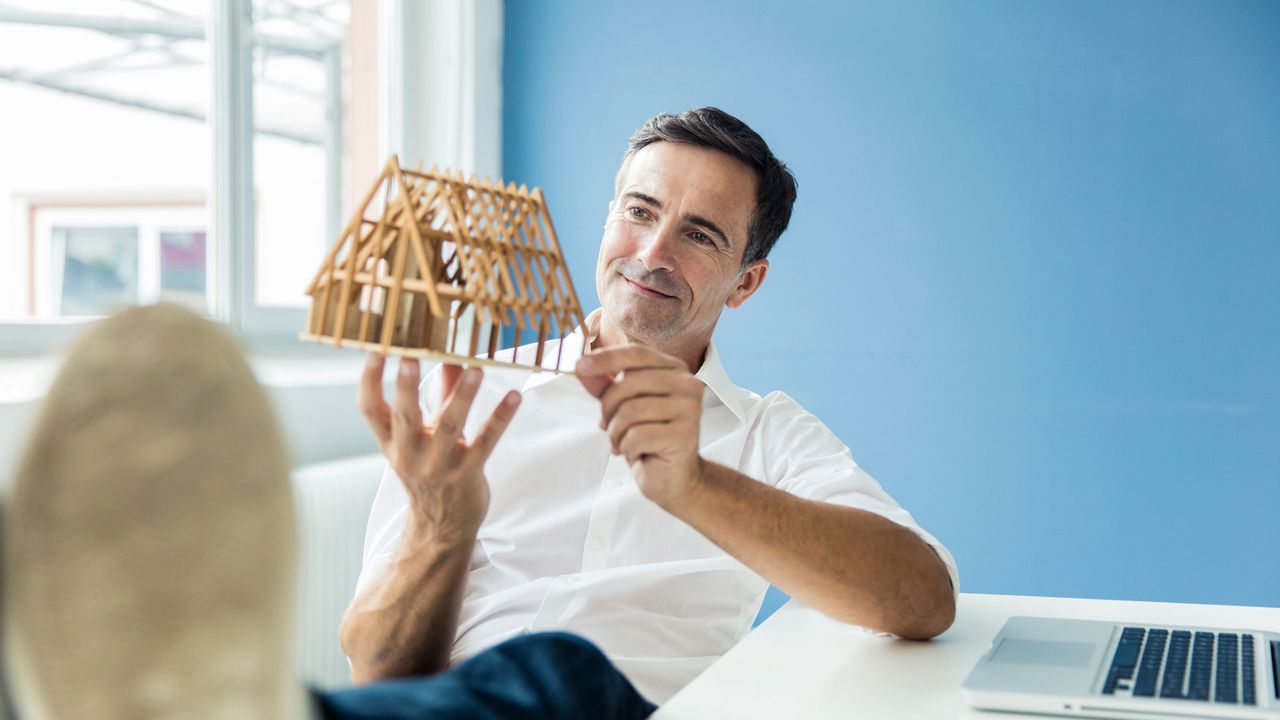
404 622
853 565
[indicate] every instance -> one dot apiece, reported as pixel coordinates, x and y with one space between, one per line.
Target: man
647 503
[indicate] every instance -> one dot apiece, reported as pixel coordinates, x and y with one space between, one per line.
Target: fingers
614 360
595 384
372 406
493 428
597 370
406 415
643 411
636 384
449 376
641 440
452 416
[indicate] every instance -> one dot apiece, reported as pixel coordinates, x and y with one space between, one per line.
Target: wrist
447 512
427 535
692 491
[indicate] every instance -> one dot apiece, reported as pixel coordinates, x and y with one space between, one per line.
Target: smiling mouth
645 290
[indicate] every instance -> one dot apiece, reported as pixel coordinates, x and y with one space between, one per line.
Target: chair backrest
333 500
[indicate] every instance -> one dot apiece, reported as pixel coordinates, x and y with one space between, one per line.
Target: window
258 119
141 123
90 260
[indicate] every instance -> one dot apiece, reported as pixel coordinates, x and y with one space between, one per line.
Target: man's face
671 256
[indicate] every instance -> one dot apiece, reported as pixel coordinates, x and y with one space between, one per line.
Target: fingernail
408 368
512 398
373 359
471 376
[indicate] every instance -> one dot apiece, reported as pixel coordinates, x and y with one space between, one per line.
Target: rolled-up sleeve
803 457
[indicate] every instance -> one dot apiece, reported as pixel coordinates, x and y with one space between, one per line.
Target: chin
639 325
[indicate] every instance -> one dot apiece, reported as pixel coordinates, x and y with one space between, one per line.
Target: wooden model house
432 265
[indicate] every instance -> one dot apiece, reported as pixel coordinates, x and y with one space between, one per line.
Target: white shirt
571 544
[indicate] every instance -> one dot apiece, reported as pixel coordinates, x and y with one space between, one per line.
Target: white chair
333 500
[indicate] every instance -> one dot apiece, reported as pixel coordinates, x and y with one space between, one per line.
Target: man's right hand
403 622
442 473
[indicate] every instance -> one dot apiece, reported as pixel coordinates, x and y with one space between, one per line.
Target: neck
691 353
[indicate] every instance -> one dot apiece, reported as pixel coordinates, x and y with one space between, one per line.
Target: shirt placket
595 550
604 514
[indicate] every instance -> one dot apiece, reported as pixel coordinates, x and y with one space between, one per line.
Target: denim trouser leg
545 675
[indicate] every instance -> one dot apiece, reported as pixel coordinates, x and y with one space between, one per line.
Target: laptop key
1125 659
1248 681
1149 665
1128 648
1201 657
1175 667
1225 689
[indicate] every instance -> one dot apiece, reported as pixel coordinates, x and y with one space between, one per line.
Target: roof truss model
432 265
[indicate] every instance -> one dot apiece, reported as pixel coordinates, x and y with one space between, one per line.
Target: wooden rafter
401 275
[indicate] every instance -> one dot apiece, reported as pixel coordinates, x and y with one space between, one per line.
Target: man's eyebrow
715 229
695 219
644 198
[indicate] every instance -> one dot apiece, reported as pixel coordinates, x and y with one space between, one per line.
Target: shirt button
597 543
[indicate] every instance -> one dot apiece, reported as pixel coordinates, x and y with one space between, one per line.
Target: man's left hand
651 406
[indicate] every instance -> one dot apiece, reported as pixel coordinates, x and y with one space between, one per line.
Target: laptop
1084 668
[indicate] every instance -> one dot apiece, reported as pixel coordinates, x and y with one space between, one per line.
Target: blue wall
1033 276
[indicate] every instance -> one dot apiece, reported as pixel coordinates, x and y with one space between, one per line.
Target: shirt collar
712 373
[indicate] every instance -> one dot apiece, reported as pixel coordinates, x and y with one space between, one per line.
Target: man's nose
657 249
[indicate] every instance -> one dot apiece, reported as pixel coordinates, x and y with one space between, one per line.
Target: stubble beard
651 325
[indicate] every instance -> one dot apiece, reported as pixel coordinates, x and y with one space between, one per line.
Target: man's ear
748 283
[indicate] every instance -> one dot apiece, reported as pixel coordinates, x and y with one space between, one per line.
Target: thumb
595 384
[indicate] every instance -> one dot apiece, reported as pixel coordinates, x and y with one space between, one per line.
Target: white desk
801 665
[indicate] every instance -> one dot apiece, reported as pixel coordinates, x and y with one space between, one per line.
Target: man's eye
638 212
701 238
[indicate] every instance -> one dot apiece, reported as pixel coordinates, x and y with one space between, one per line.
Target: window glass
92 260
182 268
298 112
98 271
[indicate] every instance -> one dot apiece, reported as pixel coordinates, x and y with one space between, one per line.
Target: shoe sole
152 541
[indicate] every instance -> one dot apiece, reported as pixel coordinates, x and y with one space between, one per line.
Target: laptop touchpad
1043 652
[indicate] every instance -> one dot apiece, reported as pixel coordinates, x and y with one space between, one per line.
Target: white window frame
231 211
443 54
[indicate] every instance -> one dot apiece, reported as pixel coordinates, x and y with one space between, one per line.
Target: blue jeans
545 675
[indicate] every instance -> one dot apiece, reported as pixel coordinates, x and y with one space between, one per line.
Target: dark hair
718 130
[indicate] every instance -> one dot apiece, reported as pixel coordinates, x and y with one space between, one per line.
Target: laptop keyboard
1183 664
